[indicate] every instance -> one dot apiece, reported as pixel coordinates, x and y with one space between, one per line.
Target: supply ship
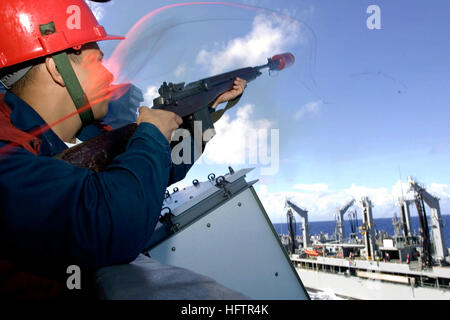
370 264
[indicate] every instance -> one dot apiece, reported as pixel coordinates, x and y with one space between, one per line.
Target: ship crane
291 226
304 214
406 217
397 225
421 195
353 217
368 229
340 231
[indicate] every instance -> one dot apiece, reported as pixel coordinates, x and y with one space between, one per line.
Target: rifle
191 102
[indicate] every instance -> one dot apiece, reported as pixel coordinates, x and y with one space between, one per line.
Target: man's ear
53 71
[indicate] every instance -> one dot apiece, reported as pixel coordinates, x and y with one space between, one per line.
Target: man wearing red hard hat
52 214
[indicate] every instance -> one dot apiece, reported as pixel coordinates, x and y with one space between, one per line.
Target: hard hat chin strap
74 88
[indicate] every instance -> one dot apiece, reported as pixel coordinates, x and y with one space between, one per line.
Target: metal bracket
221 182
166 219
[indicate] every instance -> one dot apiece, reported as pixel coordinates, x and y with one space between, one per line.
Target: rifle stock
96 154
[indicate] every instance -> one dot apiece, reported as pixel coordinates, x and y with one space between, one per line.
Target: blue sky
359 108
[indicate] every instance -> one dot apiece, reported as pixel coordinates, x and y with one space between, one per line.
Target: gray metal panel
187 198
236 245
189 204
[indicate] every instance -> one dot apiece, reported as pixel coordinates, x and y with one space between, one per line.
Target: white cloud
322 204
310 108
316 187
150 94
401 190
98 9
180 71
439 190
269 35
234 142
378 196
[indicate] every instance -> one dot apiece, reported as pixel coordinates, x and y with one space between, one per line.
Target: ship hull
367 289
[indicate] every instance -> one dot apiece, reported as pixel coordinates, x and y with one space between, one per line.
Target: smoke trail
147 36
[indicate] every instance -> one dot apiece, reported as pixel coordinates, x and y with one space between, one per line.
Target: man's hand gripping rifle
192 102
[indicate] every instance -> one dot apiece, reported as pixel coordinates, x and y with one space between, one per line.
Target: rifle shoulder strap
215 116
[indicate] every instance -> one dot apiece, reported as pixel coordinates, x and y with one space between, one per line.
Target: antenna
401 184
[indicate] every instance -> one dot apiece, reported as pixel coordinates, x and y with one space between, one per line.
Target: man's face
95 80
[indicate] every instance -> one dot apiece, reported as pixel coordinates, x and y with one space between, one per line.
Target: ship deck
412 269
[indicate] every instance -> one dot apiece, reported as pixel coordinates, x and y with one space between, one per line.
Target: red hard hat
35 28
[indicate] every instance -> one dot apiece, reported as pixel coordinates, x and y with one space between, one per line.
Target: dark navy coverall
54 214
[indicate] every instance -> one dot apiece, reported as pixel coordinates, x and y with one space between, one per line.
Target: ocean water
385 224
